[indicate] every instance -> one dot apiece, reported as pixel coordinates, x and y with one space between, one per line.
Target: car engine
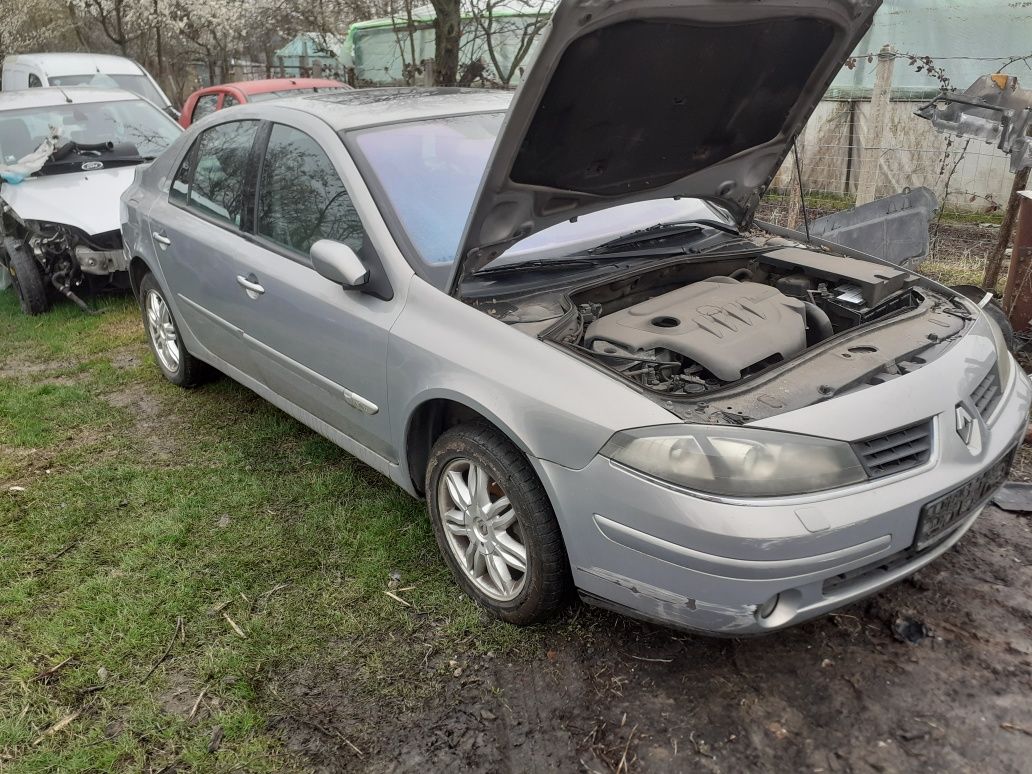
690 328
718 328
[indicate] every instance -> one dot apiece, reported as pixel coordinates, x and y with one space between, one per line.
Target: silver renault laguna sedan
538 312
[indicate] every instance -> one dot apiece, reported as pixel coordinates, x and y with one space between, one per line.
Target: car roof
281 84
77 63
59 95
345 110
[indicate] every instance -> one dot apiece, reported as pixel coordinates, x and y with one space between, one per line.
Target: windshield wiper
650 234
537 263
672 250
663 231
592 259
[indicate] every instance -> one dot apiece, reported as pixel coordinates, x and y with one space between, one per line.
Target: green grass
143 505
959 272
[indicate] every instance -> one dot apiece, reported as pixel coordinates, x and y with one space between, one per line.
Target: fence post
1017 297
995 263
874 138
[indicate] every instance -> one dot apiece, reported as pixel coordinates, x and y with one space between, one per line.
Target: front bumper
708 564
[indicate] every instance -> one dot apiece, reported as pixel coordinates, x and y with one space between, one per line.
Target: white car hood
86 200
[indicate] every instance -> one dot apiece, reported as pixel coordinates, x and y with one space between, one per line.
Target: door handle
250 284
161 239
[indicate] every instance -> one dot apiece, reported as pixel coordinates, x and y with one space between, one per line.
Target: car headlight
1004 361
737 461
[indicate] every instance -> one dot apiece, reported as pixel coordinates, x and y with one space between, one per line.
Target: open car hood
648 99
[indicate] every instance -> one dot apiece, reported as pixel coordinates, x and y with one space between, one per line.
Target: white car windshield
429 172
124 121
137 84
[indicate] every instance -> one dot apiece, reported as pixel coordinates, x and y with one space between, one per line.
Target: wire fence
841 166
962 233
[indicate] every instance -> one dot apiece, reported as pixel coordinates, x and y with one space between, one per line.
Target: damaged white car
66 156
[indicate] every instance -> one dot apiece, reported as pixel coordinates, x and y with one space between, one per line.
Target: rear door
320 346
198 234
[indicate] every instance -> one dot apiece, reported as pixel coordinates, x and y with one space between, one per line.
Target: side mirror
338 263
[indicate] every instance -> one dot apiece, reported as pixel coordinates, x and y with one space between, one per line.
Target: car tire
28 282
482 538
166 343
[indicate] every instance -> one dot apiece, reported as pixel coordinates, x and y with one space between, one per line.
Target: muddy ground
846 693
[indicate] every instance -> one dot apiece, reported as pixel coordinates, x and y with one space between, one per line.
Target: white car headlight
737 461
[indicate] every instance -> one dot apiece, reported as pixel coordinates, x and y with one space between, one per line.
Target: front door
320 346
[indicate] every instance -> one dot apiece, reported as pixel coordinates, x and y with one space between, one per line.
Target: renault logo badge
965 425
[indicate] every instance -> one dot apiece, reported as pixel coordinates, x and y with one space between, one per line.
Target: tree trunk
158 42
447 38
992 268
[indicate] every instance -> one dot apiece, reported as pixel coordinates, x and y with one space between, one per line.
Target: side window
180 191
34 81
301 199
216 182
228 100
206 105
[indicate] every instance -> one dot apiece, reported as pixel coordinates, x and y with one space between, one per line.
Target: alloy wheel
482 530
162 332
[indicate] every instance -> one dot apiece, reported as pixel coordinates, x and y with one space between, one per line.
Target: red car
205 101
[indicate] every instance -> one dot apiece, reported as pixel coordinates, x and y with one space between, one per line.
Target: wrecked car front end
74 264
60 196
64 227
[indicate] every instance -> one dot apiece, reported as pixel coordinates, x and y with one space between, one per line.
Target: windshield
127 121
430 171
138 84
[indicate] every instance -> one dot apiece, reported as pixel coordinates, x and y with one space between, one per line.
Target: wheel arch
430 418
138 269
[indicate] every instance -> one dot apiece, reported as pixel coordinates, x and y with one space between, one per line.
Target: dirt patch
848 692
180 694
154 427
127 359
17 368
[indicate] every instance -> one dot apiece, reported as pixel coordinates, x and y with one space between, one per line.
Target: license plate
943 514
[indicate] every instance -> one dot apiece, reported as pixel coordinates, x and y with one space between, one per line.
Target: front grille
983 485
987 394
897 451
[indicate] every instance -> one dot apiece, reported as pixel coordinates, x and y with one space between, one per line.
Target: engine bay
714 331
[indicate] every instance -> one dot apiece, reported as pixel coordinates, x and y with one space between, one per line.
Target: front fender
551 405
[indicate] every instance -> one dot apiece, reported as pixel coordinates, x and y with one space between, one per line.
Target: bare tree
513 33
